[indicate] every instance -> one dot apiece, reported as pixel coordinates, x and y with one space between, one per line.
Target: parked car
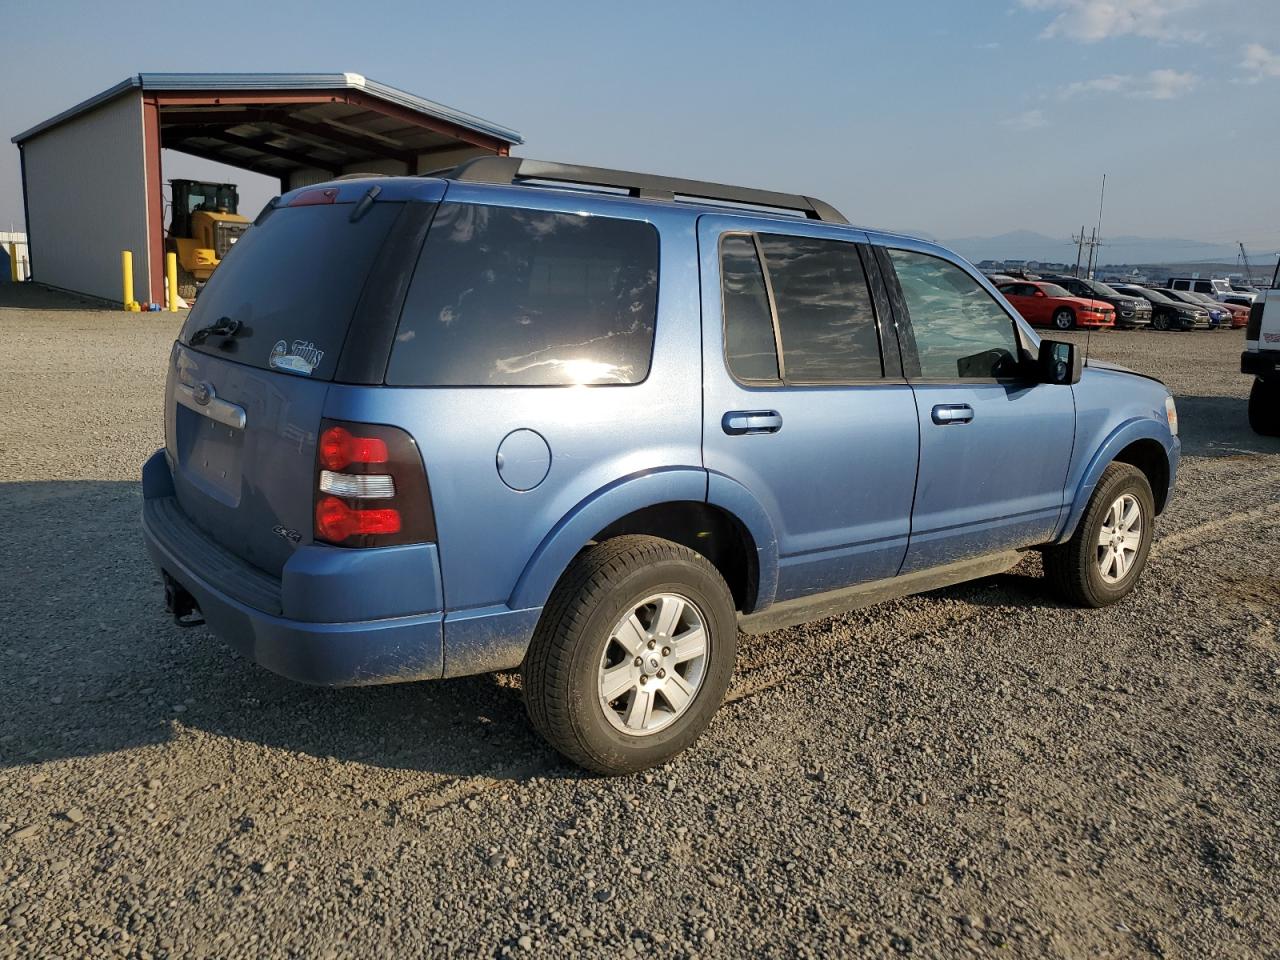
1167 314
1131 312
1261 360
422 427
1239 315
1045 304
1220 290
1219 315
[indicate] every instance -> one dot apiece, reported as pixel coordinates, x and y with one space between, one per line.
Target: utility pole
1079 239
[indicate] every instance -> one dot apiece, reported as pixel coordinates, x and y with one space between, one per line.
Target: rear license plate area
210 455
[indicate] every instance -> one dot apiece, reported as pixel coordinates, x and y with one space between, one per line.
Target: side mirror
1059 363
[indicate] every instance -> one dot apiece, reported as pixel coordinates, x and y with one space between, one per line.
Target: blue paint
859 483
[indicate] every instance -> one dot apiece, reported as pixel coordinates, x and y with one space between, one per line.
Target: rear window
515 297
292 283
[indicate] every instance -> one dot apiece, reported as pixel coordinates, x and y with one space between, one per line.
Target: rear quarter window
514 297
292 283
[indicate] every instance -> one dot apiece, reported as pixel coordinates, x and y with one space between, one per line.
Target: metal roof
282 82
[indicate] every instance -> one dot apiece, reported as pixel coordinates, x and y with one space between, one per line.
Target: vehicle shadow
1219 427
36 296
90 663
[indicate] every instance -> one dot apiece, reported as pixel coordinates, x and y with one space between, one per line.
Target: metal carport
92 177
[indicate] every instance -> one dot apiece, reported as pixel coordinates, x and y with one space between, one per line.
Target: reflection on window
749 347
960 331
511 297
825 318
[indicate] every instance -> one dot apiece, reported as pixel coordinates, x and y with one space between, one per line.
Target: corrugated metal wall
86 200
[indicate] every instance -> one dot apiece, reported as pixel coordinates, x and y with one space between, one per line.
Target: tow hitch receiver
181 604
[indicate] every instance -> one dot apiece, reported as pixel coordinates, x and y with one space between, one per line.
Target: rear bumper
335 617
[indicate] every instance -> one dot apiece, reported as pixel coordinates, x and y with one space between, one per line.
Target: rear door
994 446
249 375
804 401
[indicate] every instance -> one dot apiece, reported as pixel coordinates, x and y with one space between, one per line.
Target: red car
1049 305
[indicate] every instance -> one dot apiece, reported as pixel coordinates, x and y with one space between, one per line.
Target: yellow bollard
13 261
171 275
126 265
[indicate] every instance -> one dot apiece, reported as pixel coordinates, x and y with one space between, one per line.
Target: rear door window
514 297
825 318
292 284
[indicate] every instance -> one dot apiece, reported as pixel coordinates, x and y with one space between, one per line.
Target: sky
950 118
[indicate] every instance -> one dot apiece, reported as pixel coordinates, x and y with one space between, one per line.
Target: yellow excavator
204 225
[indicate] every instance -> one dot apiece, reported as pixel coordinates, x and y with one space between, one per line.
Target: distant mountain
1029 245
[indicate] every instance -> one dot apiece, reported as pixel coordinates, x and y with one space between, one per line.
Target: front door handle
945 413
736 423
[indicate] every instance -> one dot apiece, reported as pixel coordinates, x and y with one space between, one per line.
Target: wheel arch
1140 442
671 504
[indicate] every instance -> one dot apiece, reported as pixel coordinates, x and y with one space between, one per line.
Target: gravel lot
978 770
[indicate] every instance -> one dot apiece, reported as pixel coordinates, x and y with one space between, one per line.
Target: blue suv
591 424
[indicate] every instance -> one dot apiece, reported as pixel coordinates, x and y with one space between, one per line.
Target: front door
801 406
994 446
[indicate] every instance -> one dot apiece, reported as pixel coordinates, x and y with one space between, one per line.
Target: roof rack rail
512 170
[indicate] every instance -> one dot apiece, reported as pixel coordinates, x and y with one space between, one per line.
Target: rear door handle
739 422
945 413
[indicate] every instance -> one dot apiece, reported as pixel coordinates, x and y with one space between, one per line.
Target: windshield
290 285
1053 290
1099 289
1155 296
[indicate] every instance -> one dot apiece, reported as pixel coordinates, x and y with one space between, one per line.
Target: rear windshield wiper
222 327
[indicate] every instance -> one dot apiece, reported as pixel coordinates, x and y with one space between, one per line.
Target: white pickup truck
1220 290
1261 358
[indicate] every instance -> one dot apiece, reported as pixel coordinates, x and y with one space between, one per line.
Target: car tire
1064 319
1160 322
1085 571
615 618
1264 407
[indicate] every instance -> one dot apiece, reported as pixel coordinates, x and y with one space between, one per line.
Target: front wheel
1264 407
1160 322
632 656
1104 558
1064 319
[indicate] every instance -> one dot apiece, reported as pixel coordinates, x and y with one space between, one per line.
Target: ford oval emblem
202 393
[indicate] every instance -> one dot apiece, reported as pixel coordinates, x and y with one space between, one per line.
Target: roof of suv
598 185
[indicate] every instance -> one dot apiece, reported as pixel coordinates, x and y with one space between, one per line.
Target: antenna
1088 336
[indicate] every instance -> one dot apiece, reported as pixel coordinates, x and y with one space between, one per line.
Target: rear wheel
1264 407
632 656
1064 319
1103 560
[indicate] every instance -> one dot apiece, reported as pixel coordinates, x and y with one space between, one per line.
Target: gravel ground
976 770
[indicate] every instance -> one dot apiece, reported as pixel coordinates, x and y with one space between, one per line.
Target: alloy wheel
653 664
1120 538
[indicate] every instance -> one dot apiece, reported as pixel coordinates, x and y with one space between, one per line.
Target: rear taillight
370 487
1253 329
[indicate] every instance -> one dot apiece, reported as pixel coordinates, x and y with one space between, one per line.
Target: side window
749 347
1203 286
826 322
960 331
510 297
